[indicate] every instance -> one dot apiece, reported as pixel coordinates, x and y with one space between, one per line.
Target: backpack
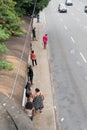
29 105
38 102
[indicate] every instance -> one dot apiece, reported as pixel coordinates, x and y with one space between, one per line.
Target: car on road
85 9
62 8
69 2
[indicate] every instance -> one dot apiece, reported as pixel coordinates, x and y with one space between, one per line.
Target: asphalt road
68 57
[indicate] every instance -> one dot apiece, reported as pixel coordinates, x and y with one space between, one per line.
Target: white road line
65 27
85 26
83 57
72 39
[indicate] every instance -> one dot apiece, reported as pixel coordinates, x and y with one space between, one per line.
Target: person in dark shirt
30 74
29 109
34 34
28 89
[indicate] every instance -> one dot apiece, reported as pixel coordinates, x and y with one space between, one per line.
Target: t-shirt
33 56
45 39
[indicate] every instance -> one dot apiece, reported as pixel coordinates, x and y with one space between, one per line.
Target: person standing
38 100
34 34
45 40
28 89
30 74
29 109
38 18
33 58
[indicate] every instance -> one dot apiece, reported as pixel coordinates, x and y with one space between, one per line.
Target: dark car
85 8
69 2
62 8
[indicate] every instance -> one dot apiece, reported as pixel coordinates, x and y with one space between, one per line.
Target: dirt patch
8 78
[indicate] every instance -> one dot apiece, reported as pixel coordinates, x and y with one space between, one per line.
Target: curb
17 115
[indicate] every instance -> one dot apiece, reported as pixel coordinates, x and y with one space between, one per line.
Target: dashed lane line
72 39
85 26
65 27
83 57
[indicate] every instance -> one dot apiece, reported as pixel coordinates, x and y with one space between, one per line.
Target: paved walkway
42 80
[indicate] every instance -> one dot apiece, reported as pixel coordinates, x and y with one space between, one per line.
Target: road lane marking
72 39
83 57
72 51
85 26
62 119
65 27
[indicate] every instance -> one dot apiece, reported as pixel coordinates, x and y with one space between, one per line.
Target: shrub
5 65
3 48
20 32
3 35
10 66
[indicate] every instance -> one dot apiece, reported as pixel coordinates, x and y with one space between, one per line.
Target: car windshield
62 6
69 1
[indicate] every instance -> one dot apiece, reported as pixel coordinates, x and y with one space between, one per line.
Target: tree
9 20
27 6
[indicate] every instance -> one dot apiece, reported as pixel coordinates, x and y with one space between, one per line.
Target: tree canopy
27 6
9 20
10 12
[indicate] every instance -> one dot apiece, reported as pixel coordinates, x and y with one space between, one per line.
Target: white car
85 8
69 2
62 8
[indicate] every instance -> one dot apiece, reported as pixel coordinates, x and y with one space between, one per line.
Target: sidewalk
42 80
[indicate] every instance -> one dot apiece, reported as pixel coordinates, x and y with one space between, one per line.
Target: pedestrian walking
33 58
45 40
28 89
29 109
38 100
34 34
30 74
38 18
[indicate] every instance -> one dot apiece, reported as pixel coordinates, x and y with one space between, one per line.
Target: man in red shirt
45 40
33 58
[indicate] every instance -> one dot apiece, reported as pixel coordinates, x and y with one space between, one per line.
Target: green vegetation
27 6
20 32
3 49
10 10
3 63
10 23
4 34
